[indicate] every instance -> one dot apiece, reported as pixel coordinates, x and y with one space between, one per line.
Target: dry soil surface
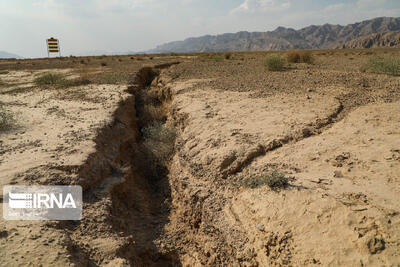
332 130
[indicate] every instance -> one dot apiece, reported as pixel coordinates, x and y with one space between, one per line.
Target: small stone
307 132
3 234
338 174
376 245
261 227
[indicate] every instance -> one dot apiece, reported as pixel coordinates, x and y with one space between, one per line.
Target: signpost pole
53 46
48 52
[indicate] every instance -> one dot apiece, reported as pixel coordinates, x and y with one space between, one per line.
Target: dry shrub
274 180
84 77
228 56
307 57
58 80
293 57
217 57
156 113
300 56
159 138
49 79
6 119
112 78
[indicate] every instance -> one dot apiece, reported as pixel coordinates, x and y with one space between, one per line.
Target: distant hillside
8 55
312 37
376 40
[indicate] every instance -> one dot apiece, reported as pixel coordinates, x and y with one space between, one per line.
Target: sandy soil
54 135
333 130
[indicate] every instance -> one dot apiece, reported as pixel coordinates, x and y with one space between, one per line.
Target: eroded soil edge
126 189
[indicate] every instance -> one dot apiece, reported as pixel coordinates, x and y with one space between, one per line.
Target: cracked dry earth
336 134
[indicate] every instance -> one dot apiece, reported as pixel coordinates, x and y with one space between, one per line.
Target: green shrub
274 62
274 180
385 65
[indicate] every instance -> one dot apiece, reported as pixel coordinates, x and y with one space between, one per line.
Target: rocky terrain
312 37
377 40
165 146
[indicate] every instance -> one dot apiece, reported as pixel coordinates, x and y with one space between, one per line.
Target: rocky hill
376 40
312 37
8 55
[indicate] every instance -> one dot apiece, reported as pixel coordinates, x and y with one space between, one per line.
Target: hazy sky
138 25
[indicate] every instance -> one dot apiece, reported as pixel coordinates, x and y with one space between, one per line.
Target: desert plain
175 155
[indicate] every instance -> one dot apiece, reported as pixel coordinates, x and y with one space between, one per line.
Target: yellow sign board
53 46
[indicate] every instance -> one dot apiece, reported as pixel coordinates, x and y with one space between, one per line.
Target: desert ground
174 154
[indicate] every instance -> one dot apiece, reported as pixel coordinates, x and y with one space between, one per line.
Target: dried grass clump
217 57
228 56
300 56
112 78
384 65
159 138
59 81
49 79
156 113
6 119
274 180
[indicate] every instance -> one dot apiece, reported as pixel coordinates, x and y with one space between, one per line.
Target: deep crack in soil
126 189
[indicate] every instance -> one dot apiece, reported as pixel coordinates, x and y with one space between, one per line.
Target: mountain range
311 37
4 54
376 40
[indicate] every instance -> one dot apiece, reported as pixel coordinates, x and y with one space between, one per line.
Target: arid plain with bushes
210 159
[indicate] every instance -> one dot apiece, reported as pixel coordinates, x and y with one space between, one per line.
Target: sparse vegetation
302 56
159 139
274 180
6 119
274 62
49 79
384 65
58 80
217 57
228 56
